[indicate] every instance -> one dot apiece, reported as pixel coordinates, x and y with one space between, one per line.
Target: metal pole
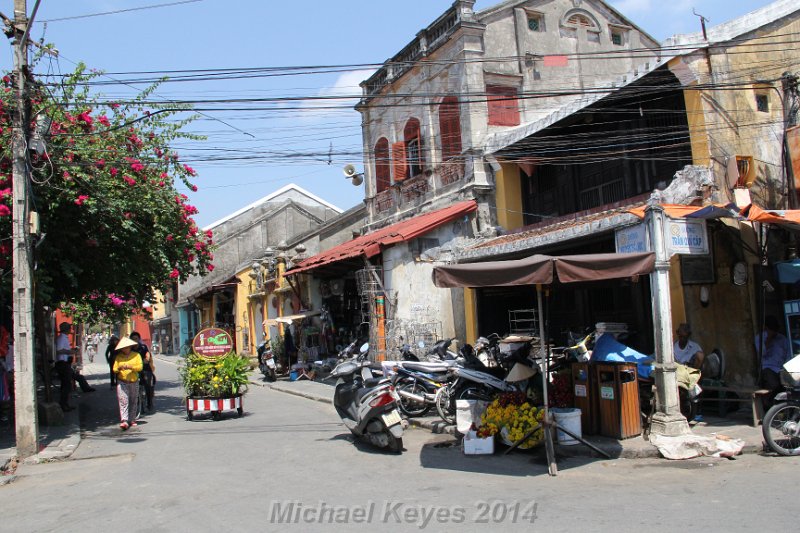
552 467
667 419
24 363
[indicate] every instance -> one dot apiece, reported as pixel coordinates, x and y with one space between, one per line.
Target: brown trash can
584 385
617 392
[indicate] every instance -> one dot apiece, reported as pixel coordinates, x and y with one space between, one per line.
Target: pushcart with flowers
214 376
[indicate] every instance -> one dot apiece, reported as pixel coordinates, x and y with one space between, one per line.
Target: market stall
542 270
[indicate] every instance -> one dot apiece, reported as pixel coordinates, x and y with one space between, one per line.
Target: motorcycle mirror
421 345
364 348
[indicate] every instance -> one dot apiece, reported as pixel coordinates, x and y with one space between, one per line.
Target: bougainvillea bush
113 224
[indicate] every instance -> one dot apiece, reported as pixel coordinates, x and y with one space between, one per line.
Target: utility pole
24 362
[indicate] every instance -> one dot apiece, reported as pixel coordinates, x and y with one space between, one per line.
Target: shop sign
212 343
686 236
607 393
632 239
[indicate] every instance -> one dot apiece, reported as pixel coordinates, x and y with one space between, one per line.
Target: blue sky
214 34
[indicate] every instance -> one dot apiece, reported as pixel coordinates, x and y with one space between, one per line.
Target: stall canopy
372 244
541 269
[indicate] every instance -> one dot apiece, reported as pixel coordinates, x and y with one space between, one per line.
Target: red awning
371 244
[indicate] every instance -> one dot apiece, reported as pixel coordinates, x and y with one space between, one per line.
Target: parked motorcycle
781 424
367 405
470 381
417 383
266 361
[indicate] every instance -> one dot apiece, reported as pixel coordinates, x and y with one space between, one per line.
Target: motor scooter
781 424
367 405
266 361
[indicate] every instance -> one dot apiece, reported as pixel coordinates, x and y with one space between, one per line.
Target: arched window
450 127
412 140
383 165
580 19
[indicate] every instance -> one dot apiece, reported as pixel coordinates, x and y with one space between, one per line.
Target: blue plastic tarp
607 348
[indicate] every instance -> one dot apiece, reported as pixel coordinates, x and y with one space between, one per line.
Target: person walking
127 365
148 376
111 352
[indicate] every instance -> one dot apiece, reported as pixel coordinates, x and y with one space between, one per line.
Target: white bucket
569 419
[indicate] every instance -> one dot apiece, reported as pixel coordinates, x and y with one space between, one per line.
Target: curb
307 395
438 427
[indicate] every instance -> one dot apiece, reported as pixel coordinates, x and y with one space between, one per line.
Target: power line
117 11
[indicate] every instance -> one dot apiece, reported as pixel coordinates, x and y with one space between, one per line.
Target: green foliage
278 348
226 376
105 190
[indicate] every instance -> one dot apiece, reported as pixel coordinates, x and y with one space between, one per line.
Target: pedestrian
127 365
774 349
148 376
66 374
111 352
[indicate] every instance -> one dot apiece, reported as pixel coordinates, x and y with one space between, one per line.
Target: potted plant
215 384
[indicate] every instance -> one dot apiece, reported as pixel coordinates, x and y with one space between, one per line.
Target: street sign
212 343
686 236
632 239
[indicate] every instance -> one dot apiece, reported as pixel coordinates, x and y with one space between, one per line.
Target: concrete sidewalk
632 448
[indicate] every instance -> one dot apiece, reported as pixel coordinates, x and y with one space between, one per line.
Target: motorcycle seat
433 368
371 382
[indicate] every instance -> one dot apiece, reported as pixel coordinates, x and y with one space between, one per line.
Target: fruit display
512 416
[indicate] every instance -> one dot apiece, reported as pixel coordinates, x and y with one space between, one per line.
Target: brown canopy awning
538 269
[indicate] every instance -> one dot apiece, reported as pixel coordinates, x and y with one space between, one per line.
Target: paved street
173 475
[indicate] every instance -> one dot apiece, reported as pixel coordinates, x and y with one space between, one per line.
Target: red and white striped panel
213 404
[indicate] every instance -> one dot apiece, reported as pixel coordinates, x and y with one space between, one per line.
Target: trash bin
618 400
583 387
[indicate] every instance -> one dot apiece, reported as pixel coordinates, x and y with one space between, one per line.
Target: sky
250 153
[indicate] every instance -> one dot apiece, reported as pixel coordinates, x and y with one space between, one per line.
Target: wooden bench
744 395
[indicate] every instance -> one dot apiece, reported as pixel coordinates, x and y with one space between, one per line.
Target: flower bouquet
512 417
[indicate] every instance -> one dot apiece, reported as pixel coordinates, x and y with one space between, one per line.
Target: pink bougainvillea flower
66 175
170 238
114 171
5 193
161 183
129 180
86 117
114 106
81 199
128 215
209 233
198 246
194 188
100 163
4 210
102 119
210 268
189 170
174 274
137 167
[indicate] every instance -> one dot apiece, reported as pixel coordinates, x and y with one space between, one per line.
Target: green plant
226 376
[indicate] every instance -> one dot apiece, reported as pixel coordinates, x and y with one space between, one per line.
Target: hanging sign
686 236
632 239
212 343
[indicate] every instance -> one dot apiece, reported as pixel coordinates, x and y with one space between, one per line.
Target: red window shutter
383 165
503 105
399 167
450 127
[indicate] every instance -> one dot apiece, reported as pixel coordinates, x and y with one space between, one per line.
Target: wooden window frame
450 127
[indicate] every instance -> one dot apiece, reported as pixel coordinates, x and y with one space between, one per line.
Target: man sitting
686 351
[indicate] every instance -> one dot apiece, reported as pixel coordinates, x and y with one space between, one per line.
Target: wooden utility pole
24 362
